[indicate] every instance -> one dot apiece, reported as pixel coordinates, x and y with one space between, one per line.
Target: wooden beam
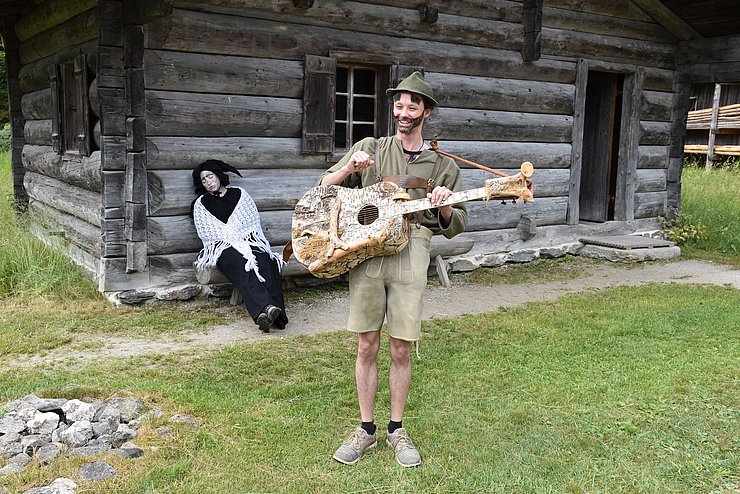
702 149
17 120
576 157
532 23
713 127
669 20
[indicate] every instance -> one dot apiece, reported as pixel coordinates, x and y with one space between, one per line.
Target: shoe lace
355 439
402 441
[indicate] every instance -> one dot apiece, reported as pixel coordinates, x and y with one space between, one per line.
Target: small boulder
75 410
59 486
96 471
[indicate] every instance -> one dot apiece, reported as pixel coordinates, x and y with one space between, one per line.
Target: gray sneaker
351 450
406 453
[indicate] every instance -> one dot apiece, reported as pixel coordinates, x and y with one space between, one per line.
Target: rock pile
40 429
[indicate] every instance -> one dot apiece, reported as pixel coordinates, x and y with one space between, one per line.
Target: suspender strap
378 178
407 181
434 173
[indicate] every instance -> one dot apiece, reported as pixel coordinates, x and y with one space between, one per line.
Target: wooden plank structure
113 102
721 122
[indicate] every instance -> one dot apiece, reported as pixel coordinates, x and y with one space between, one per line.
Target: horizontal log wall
710 60
220 34
619 37
78 202
74 31
74 230
242 102
83 172
224 80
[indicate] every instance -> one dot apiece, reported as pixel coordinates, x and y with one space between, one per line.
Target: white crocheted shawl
242 231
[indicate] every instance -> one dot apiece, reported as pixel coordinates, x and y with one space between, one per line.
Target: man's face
408 114
210 181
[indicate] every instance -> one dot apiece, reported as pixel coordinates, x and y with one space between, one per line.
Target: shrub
5 137
683 229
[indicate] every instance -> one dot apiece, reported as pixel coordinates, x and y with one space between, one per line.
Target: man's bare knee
400 351
367 346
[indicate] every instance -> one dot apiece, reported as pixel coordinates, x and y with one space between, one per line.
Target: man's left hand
439 195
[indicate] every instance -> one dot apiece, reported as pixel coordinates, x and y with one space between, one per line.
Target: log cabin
113 102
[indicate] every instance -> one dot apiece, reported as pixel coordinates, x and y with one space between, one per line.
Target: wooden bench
439 247
215 276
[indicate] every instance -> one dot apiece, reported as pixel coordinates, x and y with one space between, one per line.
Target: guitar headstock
513 187
527 169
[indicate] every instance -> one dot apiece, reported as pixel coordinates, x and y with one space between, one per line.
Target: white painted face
408 114
210 181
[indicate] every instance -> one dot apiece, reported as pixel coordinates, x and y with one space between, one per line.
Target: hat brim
392 91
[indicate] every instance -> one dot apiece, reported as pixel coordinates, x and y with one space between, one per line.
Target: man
391 288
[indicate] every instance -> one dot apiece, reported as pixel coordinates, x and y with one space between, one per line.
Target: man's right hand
358 162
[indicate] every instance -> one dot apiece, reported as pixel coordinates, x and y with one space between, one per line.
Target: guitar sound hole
368 214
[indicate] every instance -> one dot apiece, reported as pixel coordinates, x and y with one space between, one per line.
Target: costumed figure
228 224
391 288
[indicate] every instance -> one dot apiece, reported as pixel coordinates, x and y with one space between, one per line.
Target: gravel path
329 313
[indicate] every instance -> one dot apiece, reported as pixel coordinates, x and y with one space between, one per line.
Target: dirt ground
328 312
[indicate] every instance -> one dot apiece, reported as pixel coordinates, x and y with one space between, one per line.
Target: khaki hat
414 83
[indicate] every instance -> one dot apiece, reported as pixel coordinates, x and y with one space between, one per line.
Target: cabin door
602 121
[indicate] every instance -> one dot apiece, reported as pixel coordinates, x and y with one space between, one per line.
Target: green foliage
684 229
28 267
4 111
709 224
699 161
5 135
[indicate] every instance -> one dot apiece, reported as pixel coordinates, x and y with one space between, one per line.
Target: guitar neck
456 198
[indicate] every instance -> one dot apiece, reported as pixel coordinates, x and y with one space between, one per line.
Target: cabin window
356 105
344 100
70 133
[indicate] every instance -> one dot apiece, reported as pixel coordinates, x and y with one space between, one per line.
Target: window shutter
56 114
82 130
319 100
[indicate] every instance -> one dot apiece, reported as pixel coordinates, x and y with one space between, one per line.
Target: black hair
416 98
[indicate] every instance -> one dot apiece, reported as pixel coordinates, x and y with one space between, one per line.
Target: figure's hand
358 162
438 195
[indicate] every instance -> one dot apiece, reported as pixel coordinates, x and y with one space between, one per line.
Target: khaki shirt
393 162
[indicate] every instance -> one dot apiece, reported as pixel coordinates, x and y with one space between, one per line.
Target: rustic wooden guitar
335 228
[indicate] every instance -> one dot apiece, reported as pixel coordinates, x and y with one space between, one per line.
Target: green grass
42 325
627 390
28 267
712 199
537 271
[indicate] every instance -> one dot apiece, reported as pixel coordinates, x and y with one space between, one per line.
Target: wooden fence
715 120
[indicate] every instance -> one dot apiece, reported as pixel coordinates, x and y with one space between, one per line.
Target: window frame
351 95
70 133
